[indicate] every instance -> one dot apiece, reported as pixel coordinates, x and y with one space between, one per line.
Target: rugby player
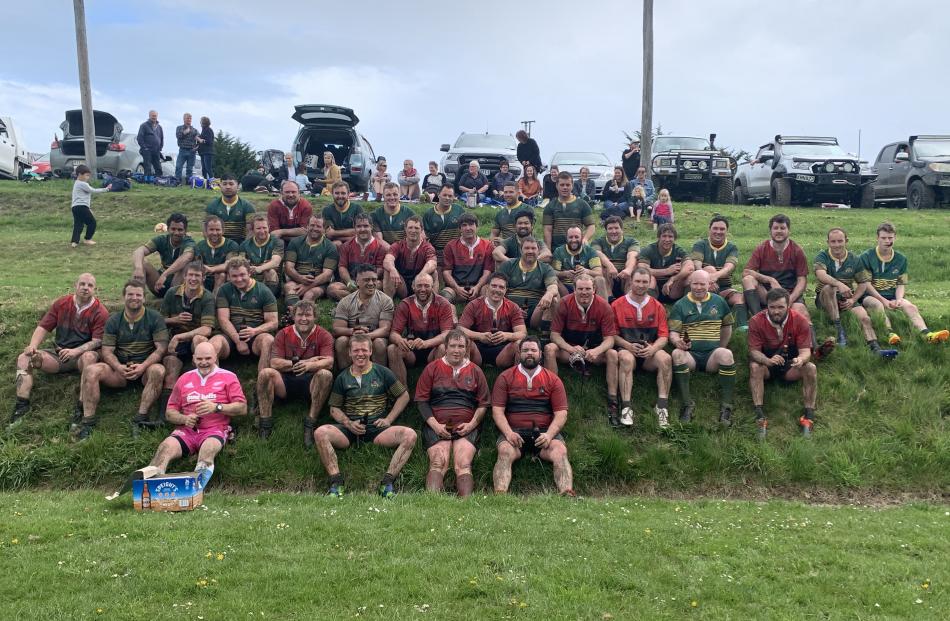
364 249
406 259
424 317
582 331
467 262
339 215
288 215
510 248
534 286
366 311
494 324
365 401
452 396
719 256
566 211
234 211
668 263
309 263
247 316
214 251
574 258
265 252
389 221
175 250
441 223
618 257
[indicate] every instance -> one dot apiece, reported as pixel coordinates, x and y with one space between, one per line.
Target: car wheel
864 198
920 195
724 194
781 192
739 197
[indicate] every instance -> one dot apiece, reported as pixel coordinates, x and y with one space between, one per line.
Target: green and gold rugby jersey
848 271
564 259
201 308
134 338
341 220
505 219
234 216
247 307
617 253
258 254
702 321
365 395
562 216
162 244
390 225
311 259
216 255
441 228
884 275
711 256
527 286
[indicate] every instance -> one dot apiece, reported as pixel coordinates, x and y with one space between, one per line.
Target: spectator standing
631 159
528 151
206 148
187 136
151 141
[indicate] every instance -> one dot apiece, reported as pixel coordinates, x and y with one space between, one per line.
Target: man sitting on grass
529 407
309 263
719 256
247 316
301 366
467 262
418 329
407 259
780 348
234 211
582 331
389 221
201 405
366 311
534 286
79 321
574 258
494 324
175 249
214 251
133 344
887 270
364 249
842 282
618 257
365 400
668 263
510 248
452 396
339 215
265 252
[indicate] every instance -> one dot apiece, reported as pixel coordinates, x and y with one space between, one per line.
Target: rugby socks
752 301
727 383
874 346
742 315
759 413
465 484
612 400
545 327
624 405
810 414
814 338
291 299
388 479
335 479
163 403
681 373
662 402
434 480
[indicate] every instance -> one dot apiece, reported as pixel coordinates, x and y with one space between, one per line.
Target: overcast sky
419 73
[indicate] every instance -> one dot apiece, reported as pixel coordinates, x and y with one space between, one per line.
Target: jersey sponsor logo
713 311
194 396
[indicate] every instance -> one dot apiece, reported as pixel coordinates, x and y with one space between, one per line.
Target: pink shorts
192 439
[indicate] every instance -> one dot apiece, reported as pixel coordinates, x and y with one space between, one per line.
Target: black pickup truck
915 171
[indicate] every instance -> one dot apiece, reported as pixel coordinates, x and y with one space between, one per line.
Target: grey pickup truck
915 171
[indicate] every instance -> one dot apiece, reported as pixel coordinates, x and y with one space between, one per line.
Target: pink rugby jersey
220 386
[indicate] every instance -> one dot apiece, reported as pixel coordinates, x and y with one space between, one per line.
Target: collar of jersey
877 251
220 244
181 291
570 199
368 369
398 208
225 202
251 285
522 267
307 239
668 253
574 254
716 248
345 209
266 241
125 315
832 256
695 301
302 338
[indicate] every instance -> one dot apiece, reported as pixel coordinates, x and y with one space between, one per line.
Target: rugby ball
161 227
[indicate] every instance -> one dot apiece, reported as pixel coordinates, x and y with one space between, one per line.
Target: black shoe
725 416
84 430
613 414
308 428
686 412
142 423
20 408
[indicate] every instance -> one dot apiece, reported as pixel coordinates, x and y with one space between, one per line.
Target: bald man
78 319
202 404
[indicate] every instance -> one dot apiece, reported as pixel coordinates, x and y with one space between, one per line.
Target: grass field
882 429
70 555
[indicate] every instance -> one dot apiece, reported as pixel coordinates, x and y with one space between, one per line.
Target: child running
82 201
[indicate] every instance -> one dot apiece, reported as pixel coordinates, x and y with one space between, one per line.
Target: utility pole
527 126
85 90
646 119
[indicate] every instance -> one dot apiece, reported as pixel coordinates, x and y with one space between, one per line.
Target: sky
419 73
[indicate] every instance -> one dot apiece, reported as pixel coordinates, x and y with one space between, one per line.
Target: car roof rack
929 137
785 139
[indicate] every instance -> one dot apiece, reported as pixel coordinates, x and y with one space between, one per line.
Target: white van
14 159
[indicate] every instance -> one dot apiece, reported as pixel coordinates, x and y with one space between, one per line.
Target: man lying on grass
201 405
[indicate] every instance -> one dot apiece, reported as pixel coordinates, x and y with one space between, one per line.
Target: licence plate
692 176
943 182
805 178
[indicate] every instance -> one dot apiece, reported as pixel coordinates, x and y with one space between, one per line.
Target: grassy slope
881 427
65 556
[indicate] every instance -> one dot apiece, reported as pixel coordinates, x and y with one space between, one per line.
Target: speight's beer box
169 492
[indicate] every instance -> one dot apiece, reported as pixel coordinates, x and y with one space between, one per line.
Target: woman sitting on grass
529 187
331 174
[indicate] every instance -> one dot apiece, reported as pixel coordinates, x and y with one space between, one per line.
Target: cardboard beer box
179 491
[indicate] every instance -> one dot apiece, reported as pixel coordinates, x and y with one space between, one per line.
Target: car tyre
724 194
781 194
865 197
739 196
920 195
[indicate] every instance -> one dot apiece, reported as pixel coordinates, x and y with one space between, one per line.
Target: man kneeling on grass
452 396
359 401
780 348
529 407
202 404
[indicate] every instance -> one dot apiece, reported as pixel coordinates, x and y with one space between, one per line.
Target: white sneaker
626 417
662 417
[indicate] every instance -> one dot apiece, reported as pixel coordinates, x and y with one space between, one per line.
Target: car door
884 167
7 151
897 179
760 173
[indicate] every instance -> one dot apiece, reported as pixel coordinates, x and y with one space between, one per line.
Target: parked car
600 167
691 167
915 171
333 128
488 149
803 170
14 159
40 166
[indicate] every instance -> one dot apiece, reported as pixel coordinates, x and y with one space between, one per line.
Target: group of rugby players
593 301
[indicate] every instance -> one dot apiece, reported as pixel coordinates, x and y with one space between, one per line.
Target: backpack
120 185
197 182
168 181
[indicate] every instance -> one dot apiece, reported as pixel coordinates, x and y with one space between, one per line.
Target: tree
637 135
231 156
646 118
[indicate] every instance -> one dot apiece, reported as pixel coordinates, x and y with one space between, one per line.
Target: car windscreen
814 150
932 148
483 141
566 158
676 143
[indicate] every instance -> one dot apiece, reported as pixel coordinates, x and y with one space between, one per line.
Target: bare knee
408 437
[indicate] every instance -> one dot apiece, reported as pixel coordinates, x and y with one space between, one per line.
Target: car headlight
688 164
663 162
721 162
830 167
607 174
703 165
848 167
801 165
938 167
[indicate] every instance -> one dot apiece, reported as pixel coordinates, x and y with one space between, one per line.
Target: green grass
70 555
882 429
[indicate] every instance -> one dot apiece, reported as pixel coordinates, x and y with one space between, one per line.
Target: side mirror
445 148
901 156
766 156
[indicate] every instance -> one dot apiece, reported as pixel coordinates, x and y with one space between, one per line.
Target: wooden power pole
646 119
85 90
